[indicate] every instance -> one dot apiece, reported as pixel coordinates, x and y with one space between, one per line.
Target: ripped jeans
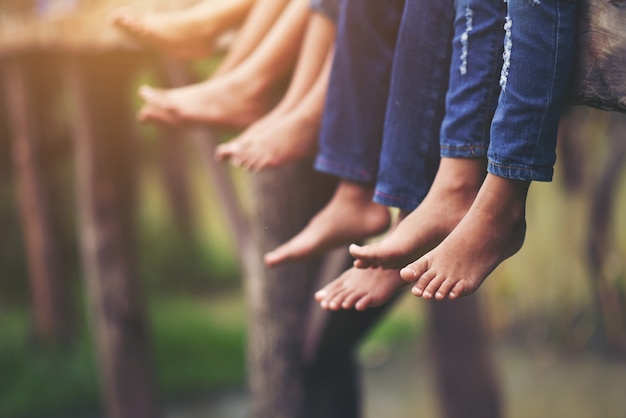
510 71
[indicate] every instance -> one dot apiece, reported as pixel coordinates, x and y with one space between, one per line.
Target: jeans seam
554 57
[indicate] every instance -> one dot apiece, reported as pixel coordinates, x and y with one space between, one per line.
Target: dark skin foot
454 189
350 216
492 231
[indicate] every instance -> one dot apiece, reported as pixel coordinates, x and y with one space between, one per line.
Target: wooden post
467 385
610 304
284 200
50 294
106 194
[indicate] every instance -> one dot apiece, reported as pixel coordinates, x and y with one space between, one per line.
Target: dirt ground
398 384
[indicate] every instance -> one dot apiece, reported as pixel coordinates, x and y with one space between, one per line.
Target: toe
432 287
444 289
155 97
351 299
363 303
422 283
458 290
415 270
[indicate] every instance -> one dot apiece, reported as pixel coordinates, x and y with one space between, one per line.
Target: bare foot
492 231
453 191
360 289
349 216
288 138
174 31
223 101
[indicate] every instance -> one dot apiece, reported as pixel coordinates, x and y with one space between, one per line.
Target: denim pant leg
352 125
535 77
329 8
410 151
474 78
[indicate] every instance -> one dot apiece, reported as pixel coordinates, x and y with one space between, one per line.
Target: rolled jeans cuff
520 173
345 171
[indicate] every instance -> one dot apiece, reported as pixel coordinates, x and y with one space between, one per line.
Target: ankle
504 197
462 175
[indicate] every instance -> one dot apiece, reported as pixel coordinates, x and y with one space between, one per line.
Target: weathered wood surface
53 316
600 69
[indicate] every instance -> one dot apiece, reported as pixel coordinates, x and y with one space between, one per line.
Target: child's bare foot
175 31
224 101
451 195
349 216
492 231
360 289
289 138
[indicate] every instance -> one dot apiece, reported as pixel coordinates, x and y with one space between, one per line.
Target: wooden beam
599 78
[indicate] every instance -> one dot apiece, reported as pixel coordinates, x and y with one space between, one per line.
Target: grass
195 350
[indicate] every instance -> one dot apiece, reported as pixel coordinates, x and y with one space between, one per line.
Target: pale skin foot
288 139
187 33
455 186
492 231
225 101
289 132
168 31
286 134
360 289
349 216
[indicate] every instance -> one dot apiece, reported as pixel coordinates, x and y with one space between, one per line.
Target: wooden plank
599 78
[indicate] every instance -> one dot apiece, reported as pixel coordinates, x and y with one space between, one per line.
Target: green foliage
195 350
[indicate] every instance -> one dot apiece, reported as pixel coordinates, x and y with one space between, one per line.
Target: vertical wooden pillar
278 299
106 195
464 369
50 295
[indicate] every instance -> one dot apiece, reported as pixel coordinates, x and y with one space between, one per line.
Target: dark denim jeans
365 120
352 125
510 71
410 151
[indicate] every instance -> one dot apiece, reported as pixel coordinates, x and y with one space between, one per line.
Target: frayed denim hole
465 39
506 55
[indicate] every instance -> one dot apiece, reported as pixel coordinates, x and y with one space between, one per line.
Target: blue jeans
365 120
509 76
354 113
410 151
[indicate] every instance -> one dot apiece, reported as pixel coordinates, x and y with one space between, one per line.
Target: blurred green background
556 354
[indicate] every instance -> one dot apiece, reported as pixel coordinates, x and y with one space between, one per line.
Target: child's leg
257 25
410 149
290 130
185 33
283 135
522 149
352 127
470 102
239 97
